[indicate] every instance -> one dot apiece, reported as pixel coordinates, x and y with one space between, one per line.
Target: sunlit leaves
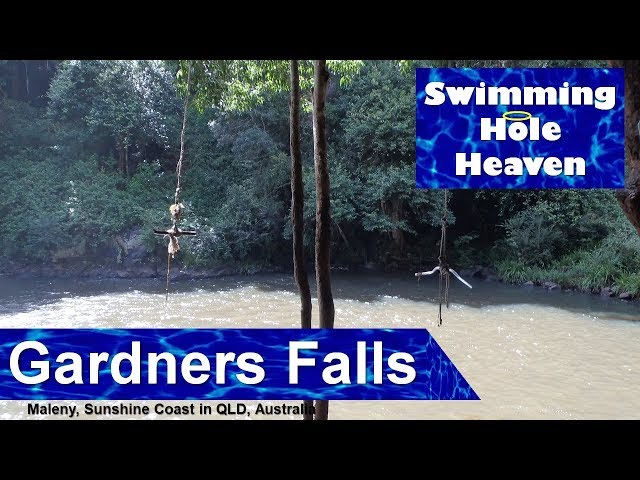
242 84
129 101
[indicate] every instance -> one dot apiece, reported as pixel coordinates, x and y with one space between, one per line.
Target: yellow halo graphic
510 116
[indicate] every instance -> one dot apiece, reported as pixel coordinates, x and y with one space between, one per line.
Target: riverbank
139 271
573 273
518 275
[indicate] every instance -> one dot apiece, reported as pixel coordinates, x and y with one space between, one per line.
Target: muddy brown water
528 353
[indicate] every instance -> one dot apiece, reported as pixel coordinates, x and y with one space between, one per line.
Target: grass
628 282
586 271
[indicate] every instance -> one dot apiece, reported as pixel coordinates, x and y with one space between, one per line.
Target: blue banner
230 364
519 128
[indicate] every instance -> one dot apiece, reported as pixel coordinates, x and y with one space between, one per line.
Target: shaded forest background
88 151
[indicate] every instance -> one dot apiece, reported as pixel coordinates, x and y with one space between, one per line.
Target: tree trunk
396 215
629 198
323 209
26 77
120 151
297 208
17 80
126 161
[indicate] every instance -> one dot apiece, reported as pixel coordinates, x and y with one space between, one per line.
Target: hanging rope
177 207
184 126
443 264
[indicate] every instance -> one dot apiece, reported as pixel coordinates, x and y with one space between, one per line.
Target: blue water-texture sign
230 364
519 128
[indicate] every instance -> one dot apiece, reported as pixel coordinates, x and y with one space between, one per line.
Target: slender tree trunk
126 160
297 208
323 209
26 77
17 83
629 198
120 151
396 215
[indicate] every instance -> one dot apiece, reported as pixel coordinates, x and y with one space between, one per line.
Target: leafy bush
534 235
464 254
612 262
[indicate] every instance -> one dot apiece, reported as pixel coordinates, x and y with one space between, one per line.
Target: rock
607 292
551 285
529 284
625 296
492 278
135 251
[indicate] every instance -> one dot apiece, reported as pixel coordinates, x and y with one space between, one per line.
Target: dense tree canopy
91 159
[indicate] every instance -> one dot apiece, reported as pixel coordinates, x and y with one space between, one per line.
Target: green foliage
534 235
628 282
65 207
58 196
612 261
119 104
385 188
239 186
464 254
65 195
379 94
513 271
239 85
553 222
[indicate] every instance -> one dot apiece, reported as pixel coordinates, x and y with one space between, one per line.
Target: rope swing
177 207
443 265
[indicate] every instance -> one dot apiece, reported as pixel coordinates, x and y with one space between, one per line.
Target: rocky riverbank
488 274
154 268
604 291
124 256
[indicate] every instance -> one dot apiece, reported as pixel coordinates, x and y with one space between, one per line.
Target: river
528 353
